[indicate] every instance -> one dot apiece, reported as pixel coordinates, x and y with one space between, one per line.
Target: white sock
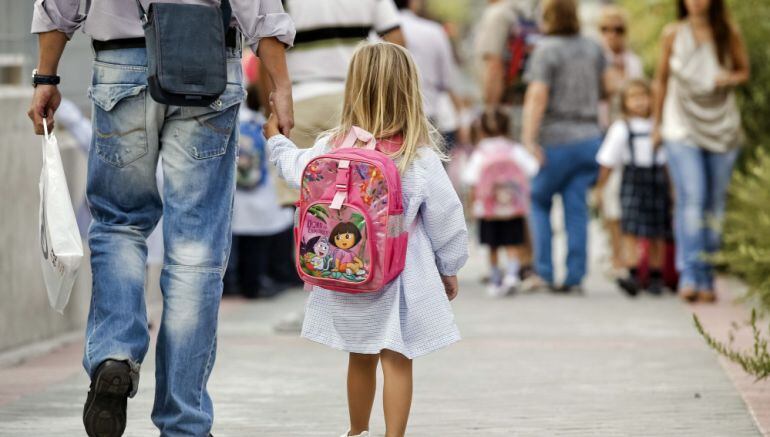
496 276
513 267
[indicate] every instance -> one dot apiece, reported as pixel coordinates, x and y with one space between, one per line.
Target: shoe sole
105 415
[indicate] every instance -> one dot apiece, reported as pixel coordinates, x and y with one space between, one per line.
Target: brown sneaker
707 296
688 294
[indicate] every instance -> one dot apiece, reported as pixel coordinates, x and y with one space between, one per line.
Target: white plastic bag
60 243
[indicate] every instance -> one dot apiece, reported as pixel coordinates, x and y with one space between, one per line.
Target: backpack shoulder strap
631 139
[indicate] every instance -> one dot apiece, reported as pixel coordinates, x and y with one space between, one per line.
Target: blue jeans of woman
700 179
569 170
198 150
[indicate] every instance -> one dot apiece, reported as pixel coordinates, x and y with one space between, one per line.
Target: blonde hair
382 96
626 90
560 17
611 14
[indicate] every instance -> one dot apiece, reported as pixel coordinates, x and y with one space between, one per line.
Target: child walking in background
411 316
255 268
499 171
645 192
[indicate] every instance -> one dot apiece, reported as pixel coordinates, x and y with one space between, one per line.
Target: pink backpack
350 234
502 191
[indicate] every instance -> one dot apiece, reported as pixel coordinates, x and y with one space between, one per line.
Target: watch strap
42 79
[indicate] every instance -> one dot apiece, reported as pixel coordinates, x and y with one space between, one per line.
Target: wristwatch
41 79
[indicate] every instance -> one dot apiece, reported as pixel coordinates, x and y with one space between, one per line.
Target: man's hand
282 106
45 101
450 286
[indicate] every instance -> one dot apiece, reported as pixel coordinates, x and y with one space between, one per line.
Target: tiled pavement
529 365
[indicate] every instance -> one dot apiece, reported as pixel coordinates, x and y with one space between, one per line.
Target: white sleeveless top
695 110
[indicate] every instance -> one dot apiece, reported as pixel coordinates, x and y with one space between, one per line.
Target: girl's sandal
688 294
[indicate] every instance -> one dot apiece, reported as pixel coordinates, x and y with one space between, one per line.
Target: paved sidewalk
529 365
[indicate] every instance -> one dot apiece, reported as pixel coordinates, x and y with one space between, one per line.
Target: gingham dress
412 314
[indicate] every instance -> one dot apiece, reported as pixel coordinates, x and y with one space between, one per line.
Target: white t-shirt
328 32
432 52
616 151
487 146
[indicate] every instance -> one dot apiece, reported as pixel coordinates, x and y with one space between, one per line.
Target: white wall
24 312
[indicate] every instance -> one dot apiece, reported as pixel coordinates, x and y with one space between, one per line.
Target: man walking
198 146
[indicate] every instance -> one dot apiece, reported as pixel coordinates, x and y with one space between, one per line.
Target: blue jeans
569 170
198 146
700 179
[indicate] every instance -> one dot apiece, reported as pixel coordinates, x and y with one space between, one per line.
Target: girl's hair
560 17
612 13
494 123
631 84
382 96
345 228
721 26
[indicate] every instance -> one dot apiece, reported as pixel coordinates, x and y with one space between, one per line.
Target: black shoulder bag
187 64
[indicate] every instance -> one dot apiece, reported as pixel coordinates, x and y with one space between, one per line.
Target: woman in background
565 76
697 118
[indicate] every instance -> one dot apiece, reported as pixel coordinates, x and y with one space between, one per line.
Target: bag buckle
342 184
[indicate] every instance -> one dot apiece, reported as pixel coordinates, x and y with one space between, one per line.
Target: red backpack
519 46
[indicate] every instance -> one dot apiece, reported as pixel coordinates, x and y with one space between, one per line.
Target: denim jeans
198 150
700 180
569 170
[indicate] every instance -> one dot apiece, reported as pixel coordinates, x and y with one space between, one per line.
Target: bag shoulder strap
357 134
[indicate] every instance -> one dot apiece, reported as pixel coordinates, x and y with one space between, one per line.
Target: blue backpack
252 162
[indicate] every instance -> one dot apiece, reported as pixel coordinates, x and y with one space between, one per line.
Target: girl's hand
537 151
656 137
271 127
597 198
450 286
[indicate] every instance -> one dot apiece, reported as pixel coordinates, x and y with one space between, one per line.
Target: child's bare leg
616 242
514 252
630 251
657 253
397 392
493 257
362 384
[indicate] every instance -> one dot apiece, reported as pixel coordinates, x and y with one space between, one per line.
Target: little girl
411 316
499 170
645 193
